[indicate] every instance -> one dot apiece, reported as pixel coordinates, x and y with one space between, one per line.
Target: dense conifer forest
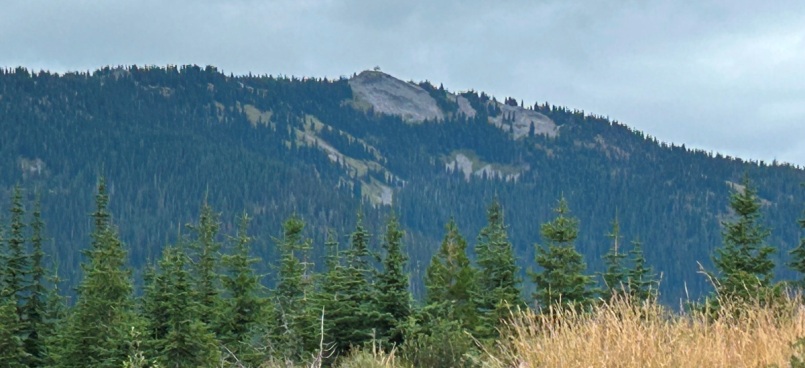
267 199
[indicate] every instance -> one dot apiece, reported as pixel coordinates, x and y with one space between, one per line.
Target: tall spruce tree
643 283
244 305
17 267
206 257
394 297
798 257
12 349
37 326
561 281
356 328
187 340
615 277
450 281
294 286
745 269
498 275
96 333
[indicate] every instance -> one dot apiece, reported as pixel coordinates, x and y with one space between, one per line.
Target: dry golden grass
624 334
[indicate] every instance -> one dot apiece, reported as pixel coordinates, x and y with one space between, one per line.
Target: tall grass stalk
623 333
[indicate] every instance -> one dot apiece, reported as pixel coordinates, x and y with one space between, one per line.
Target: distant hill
167 138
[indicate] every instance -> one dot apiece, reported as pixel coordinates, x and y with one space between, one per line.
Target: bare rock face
389 95
523 120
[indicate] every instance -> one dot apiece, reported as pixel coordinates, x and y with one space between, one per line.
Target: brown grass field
625 334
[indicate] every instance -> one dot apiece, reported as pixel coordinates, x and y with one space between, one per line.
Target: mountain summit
168 139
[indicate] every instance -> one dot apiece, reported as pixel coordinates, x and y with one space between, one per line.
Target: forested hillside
167 140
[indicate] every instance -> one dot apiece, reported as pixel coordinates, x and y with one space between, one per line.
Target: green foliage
797 262
451 281
294 287
12 349
186 340
244 307
37 324
616 280
394 298
96 332
643 282
745 270
498 274
561 281
17 268
205 263
353 313
438 343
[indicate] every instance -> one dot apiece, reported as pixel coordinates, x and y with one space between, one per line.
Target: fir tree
351 314
450 281
615 277
244 305
187 341
96 332
642 283
37 326
394 297
17 267
12 349
798 258
743 262
561 280
206 262
498 280
293 289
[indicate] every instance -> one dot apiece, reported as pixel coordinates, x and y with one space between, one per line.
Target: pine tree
394 297
743 262
245 307
642 283
562 281
615 277
96 332
498 280
292 291
450 281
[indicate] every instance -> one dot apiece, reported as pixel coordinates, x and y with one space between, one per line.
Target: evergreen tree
394 297
615 277
206 262
351 312
187 341
798 257
450 281
743 262
643 283
96 332
244 305
12 349
37 326
17 267
292 291
497 276
561 280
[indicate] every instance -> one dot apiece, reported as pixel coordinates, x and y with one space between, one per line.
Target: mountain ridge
168 138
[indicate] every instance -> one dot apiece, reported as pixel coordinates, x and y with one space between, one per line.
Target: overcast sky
726 76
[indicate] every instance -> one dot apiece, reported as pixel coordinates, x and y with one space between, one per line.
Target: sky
722 76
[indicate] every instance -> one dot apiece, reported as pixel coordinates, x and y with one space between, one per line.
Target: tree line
203 304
